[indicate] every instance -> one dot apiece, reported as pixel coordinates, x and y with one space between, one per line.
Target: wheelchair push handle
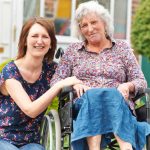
147 91
59 53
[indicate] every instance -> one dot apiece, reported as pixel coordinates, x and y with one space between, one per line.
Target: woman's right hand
69 81
80 89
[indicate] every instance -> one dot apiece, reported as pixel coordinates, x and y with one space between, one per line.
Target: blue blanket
104 111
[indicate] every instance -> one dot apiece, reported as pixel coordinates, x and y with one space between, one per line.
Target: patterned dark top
15 126
109 68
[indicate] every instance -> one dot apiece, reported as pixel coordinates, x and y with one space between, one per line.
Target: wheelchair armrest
67 93
140 95
66 89
143 112
147 91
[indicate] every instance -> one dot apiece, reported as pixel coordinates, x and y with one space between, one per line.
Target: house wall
135 4
15 19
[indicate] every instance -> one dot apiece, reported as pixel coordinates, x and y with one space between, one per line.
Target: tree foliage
140 32
2 65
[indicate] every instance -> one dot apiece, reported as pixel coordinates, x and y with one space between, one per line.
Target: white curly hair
92 7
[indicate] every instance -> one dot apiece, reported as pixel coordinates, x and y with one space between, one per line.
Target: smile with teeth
92 34
39 47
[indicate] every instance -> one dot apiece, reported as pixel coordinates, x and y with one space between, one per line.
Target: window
120 18
119 12
105 3
31 9
60 12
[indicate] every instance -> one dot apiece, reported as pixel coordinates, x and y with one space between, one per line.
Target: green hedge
4 63
140 31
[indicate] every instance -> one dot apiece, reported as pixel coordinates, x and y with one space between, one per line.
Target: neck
98 47
29 63
29 69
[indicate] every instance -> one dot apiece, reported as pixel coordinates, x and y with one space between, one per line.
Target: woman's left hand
80 89
124 90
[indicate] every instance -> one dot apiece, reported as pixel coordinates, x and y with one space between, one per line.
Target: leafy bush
54 105
2 65
140 32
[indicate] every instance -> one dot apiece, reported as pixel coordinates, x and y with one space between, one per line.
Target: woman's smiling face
92 28
38 41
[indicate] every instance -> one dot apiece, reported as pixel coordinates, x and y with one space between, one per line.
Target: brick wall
135 4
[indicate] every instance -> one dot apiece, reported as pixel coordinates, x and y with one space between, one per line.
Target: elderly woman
111 76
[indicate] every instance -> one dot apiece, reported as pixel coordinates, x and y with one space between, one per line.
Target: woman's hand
69 81
80 89
124 90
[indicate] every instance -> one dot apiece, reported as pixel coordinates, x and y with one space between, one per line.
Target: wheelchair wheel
51 131
147 147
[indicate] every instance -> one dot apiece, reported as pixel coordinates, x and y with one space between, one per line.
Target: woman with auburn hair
25 90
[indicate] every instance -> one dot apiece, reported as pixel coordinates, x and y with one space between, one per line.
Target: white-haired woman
110 75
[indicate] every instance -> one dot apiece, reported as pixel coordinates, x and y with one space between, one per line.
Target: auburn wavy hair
48 25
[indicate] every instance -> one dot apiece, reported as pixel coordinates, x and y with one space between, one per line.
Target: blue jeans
4 145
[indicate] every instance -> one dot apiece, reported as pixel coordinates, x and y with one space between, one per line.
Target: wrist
59 85
130 86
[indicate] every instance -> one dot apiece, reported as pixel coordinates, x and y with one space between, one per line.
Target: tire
51 131
147 147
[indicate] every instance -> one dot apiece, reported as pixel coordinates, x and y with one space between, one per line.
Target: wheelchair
57 126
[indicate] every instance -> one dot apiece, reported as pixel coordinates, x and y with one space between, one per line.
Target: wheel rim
50 131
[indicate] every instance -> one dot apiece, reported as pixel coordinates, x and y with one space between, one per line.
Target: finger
85 89
78 93
126 96
76 89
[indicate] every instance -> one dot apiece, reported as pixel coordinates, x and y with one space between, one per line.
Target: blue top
15 126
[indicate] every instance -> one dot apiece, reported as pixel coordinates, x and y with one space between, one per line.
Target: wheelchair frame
57 126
